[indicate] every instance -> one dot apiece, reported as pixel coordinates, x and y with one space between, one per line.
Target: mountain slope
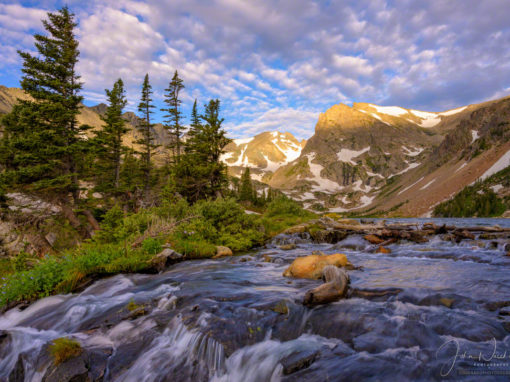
264 154
367 157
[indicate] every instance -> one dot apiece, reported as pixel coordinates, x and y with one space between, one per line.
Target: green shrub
195 248
20 262
63 349
152 246
285 206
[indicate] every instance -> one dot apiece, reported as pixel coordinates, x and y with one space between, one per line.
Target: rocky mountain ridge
364 158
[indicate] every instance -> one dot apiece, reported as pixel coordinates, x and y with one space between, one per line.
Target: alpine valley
363 159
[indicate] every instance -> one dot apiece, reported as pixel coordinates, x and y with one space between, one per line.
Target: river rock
298 361
288 247
334 288
382 249
463 234
222 251
330 236
164 259
311 266
373 239
89 366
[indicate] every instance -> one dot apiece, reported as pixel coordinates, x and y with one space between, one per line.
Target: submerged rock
335 287
382 249
288 247
311 266
373 239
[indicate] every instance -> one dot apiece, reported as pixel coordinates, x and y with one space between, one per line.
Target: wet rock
222 251
164 259
72 370
448 302
505 311
298 361
477 243
335 287
328 236
18 373
460 235
281 307
288 247
373 239
382 249
267 258
311 266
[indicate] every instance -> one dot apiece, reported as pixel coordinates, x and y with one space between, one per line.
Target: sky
275 65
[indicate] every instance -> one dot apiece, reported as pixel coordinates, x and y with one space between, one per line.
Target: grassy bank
126 244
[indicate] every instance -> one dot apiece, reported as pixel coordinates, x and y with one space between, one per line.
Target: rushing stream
238 319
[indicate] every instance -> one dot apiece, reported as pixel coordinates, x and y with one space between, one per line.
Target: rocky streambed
435 305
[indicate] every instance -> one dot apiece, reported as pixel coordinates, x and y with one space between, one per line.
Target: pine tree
246 188
194 128
131 180
200 172
45 141
109 140
174 116
145 127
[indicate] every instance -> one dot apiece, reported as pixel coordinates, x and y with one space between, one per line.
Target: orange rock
373 239
383 250
310 267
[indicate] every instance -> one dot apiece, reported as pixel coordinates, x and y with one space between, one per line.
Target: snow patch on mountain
474 136
390 110
501 164
324 184
243 141
346 155
454 111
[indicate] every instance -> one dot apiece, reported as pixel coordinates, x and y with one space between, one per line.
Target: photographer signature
457 355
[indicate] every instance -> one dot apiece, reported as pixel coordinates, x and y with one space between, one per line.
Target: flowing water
239 319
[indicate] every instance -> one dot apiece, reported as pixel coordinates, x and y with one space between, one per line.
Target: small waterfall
174 349
295 238
262 361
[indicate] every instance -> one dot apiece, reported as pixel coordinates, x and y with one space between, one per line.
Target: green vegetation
186 204
127 243
63 349
478 200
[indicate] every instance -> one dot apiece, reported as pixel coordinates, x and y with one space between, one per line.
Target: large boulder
311 267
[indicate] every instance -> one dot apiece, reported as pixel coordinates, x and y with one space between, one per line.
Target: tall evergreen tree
200 172
174 116
194 127
44 139
147 141
109 140
246 188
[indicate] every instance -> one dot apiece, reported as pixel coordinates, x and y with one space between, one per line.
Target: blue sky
277 64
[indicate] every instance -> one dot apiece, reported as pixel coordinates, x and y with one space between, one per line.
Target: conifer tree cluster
44 151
